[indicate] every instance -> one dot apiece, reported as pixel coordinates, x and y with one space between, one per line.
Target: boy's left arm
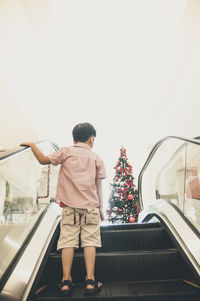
100 195
42 159
100 175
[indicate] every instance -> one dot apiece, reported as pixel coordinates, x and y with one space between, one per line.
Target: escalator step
132 238
174 290
123 266
135 226
138 239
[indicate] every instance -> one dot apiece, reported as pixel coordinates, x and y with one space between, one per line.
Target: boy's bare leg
90 256
67 259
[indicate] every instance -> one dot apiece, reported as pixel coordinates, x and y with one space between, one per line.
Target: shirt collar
83 145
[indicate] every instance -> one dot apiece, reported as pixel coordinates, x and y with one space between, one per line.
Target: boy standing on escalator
79 192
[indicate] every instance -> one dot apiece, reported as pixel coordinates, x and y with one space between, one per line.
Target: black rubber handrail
9 153
153 151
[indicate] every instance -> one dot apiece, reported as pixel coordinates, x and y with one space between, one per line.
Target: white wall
14 125
129 67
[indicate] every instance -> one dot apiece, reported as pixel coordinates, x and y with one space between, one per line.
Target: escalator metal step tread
173 290
122 253
130 226
123 266
139 239
131 236
128 239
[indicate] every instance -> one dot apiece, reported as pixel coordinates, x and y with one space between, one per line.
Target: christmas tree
123 201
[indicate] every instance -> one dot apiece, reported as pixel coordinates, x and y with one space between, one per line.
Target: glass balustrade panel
26 188
191 207
164 170
173 175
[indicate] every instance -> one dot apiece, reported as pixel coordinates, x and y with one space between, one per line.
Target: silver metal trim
19 283
183 234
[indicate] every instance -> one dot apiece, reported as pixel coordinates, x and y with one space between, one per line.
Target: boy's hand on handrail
42 159
26 144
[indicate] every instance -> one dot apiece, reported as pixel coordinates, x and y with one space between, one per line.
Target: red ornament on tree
131 219
130 197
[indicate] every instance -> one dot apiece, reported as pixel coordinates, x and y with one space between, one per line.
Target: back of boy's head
83 131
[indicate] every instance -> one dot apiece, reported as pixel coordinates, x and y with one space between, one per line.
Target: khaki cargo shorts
75 221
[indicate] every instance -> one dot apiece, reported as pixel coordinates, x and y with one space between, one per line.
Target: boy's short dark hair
83 131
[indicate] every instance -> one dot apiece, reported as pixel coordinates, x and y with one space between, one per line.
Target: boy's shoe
66 292
92 291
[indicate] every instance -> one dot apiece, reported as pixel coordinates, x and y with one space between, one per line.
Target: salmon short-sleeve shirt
80 167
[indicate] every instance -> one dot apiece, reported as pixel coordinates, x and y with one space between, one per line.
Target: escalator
156 259
137 262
